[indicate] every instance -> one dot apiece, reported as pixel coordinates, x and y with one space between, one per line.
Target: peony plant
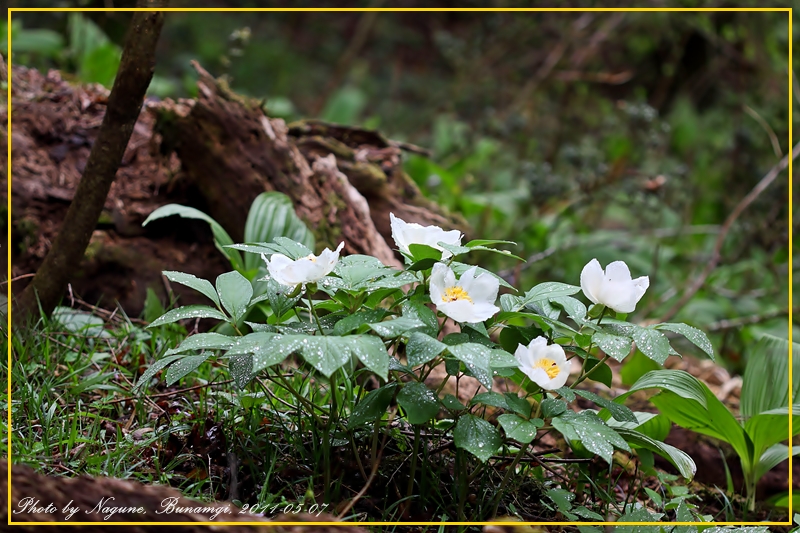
343 316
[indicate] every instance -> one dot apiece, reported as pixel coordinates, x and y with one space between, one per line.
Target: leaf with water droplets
618 411
693 335
652 343
183 367
477 436
235 292
419 402
372 406
549 289
204 341
588 429
371 351
421 348
477 359
424 314
200 285
154 369
678 458
187 312
518 428
615 346
356 320
396 327
241 368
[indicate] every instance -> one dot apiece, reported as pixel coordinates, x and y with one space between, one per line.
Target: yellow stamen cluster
549 366
452 294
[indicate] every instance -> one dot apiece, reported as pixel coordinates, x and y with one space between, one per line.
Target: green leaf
358 272
656 426
601 375
772 457
588 429
715 420
235 292
615 346
200 285
495 399
187 311
356 320
485 242
765 384
574 308
477 359
548 290
678 458
477 436
422 348
396 327
562 498
204 341
550 407
221 237
372 407
183 367
424 314
153 369
241 368
272 215
693 335
618 411
651 343
771 427
518 405
452 403
421 252
278 296
419 402
457 250
637 366
520 429
679 382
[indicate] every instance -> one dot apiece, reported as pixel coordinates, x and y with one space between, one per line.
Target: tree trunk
124 103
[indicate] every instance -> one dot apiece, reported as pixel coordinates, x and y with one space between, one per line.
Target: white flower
547 366
470 299
307 269
613 288
405 233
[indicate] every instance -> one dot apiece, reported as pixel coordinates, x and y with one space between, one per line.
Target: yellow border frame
787 10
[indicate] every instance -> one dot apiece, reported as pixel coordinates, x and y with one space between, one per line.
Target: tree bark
124 103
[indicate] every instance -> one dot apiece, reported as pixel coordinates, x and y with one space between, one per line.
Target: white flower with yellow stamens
309 269
470 299
546 365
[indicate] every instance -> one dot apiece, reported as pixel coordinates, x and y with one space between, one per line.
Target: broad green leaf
419 402
353 322
235 292
204 341
518 405
772 427
562 498
495 399
185 312
272 215
357 272
765 384
280 245
679 382
616 346
477 358
548 290
241 369
518 428
396 327
618 411
221 238
422 348
460 250
477 436
485 242
654 425
153 369
693 335
200 285
372 407
423 251
550 407
772 457
452 403
601 375
715 420
573 307
79 321
637 366
652 343
588 429
183 367
279 297
678 458
424 314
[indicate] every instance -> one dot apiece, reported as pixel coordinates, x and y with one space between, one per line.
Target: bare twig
762 185
776 145
730 323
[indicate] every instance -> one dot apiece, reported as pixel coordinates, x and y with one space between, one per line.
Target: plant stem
412 473
589 373
509 471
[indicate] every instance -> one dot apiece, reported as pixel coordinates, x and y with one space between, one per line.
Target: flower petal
459 310
592 280
617 271
482 288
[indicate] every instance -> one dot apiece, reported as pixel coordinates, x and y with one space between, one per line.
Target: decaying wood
95 499
216 153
